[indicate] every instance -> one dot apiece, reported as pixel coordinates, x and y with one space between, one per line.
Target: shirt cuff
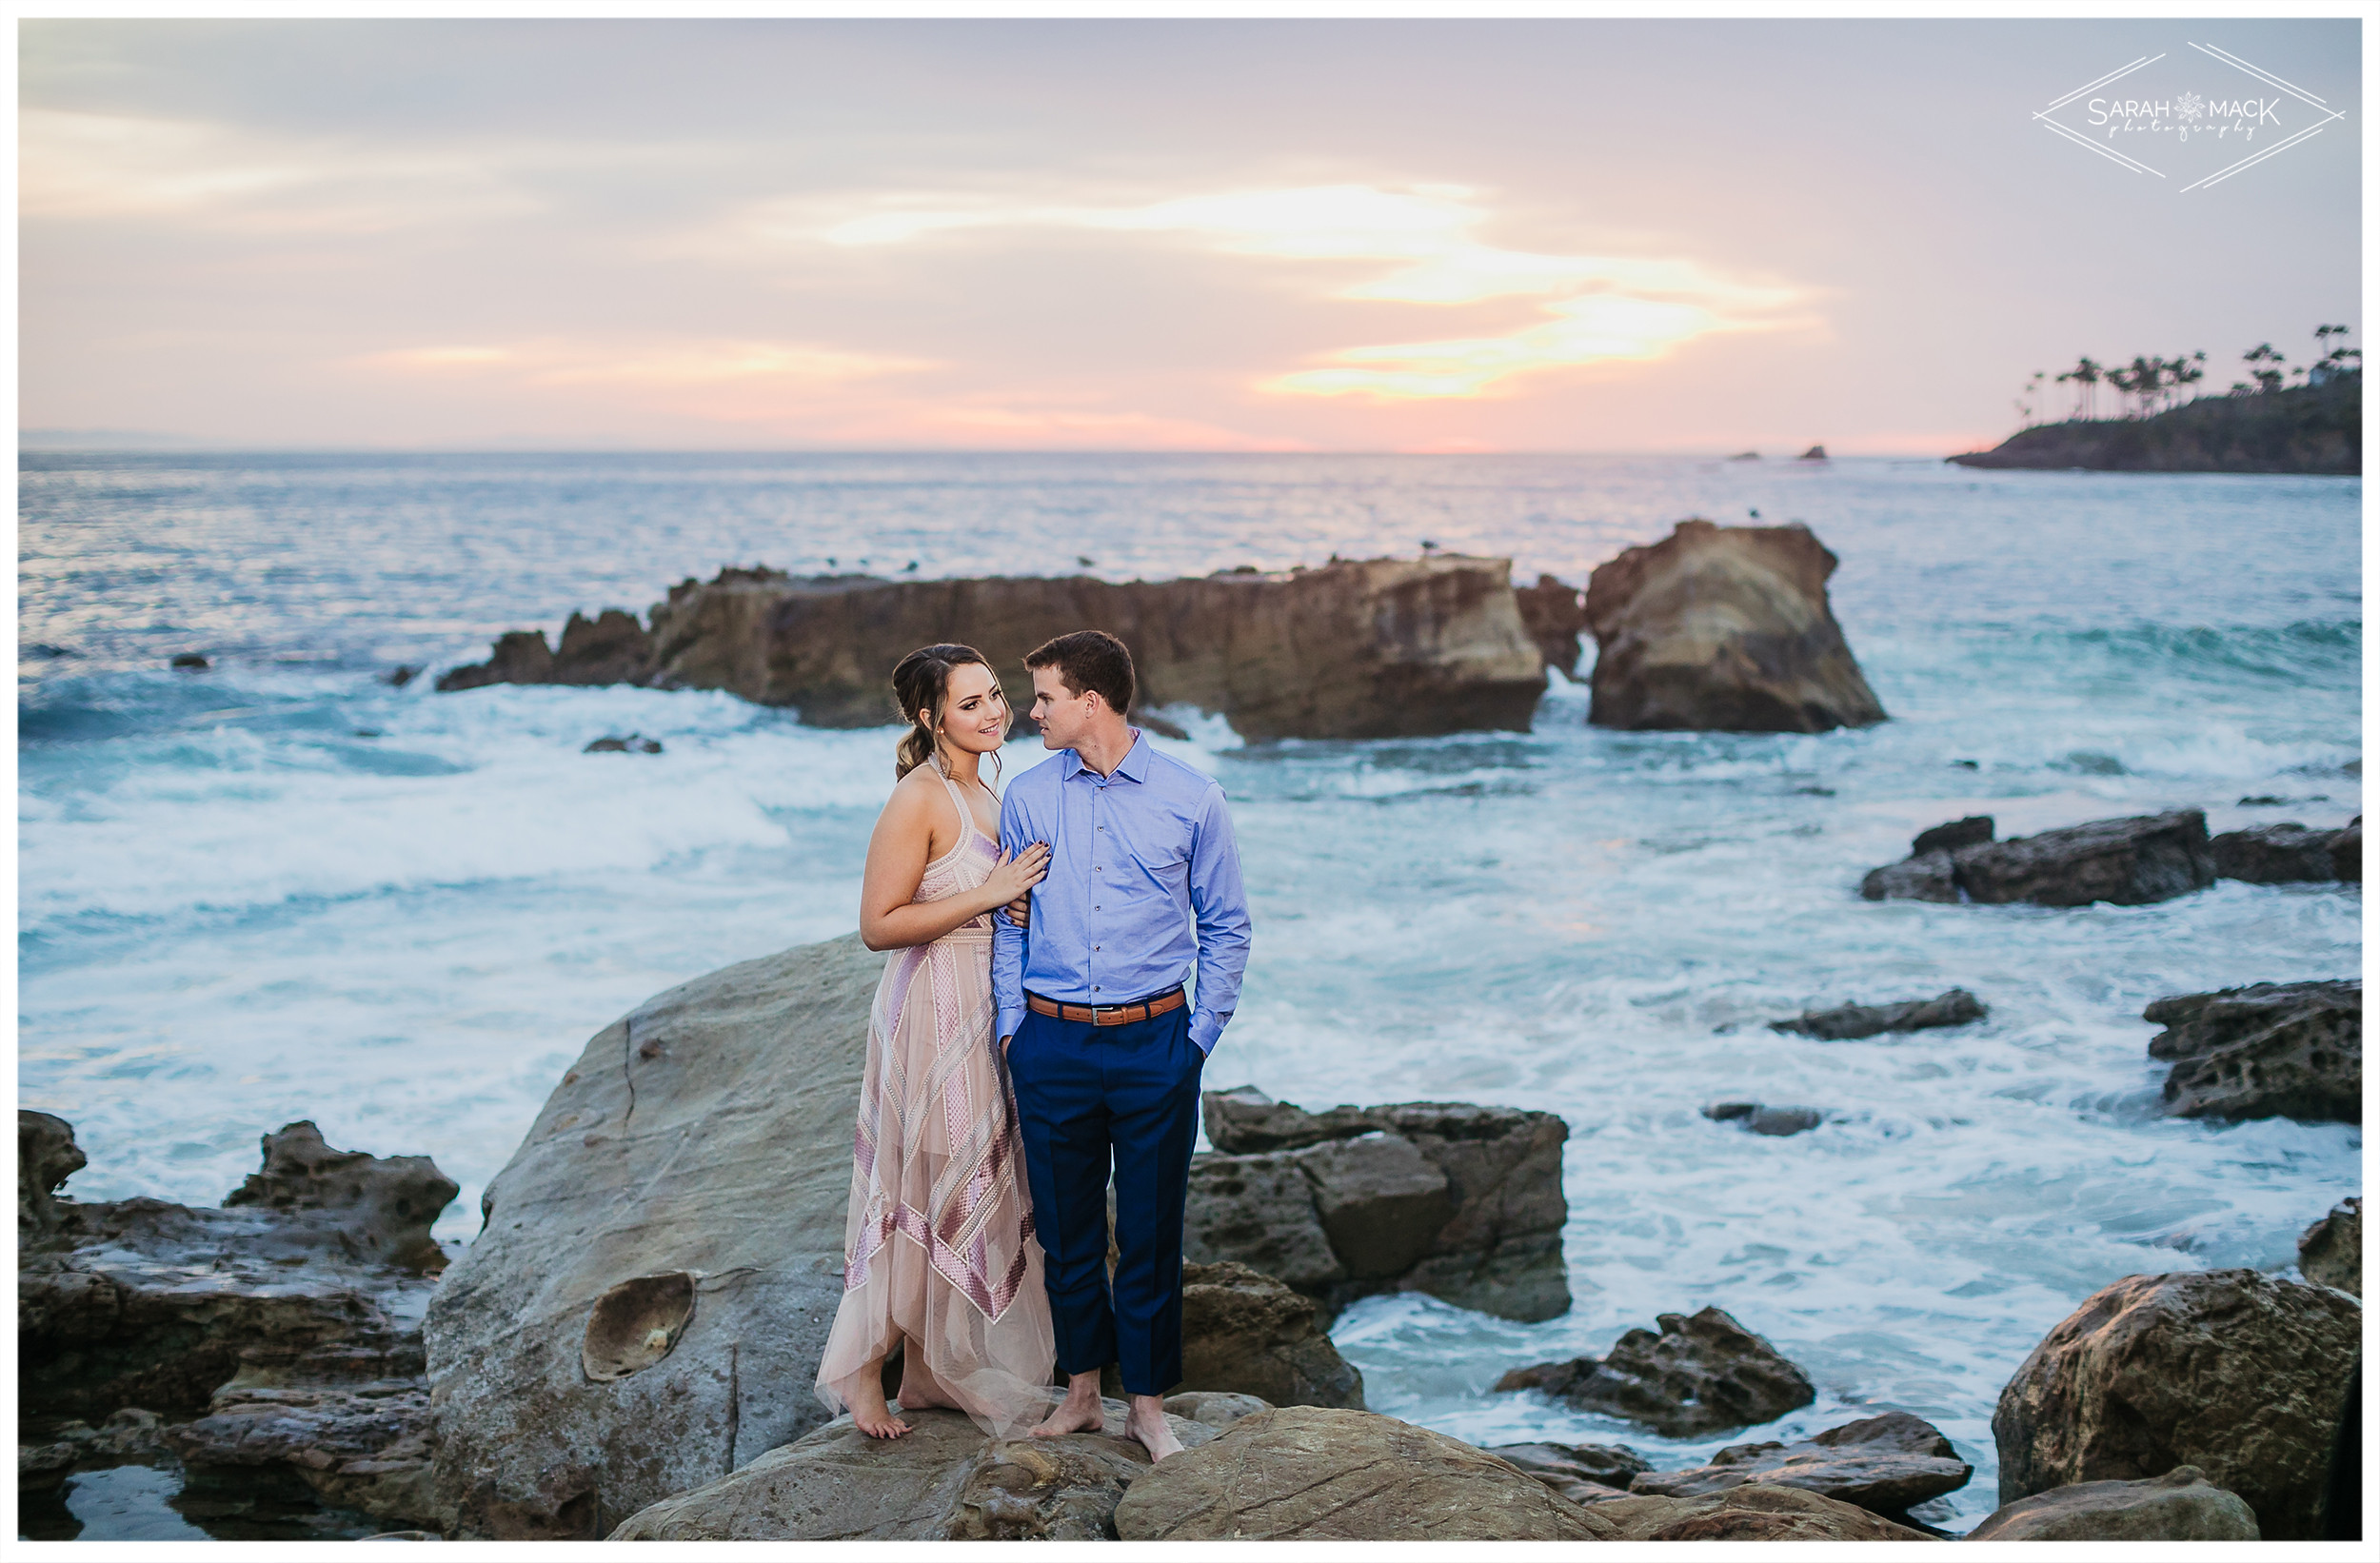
1009 1021
1206 1029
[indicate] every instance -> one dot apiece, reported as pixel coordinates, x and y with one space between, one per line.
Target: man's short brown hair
1089 660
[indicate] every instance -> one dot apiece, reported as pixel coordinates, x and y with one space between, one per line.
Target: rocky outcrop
1703 1373
2347 852
2237 1373
2304 429
1886 1464
1760 1118
2274 1050
46 1158
1581 1473
1723 629
2282 854
1554 614
1378 648
1850 1021
271 1338
1246 1334
2130 861
1749 1513
942 1481
1307 1473
1463 1202
2179 1506
2331 1252
674 1174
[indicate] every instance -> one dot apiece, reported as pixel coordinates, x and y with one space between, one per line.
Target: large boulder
2331 1252
1886 1464
2282 854
1461 1201
1310 1472
1246 1334
1377 648
2179 1506
1698 1375
2273 1049
1727 628
386 1203
943 1480
2236 1373
1849 1022
2129 861
674 1218
1749 1513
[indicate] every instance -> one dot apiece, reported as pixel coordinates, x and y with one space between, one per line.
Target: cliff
2313 429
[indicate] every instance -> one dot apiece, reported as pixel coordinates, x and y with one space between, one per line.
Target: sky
1589 235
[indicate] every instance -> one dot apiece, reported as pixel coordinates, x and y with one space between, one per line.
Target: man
1103 1050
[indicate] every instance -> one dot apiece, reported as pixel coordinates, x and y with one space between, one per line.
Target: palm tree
2025 403
2186 371
2264 367
2341 360
2086 375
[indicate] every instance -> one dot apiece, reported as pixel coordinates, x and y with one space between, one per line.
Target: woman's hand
1012 877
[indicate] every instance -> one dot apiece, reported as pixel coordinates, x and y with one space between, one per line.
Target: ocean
282 888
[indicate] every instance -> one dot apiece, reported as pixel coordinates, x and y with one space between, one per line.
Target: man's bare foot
1079 1412
868 1410
919 1387
1146 1422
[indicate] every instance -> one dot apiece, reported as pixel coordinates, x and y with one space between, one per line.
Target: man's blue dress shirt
1143 882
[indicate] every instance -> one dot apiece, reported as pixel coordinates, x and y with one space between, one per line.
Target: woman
939 1255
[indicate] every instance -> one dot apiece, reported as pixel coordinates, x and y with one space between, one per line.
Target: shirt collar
1134 766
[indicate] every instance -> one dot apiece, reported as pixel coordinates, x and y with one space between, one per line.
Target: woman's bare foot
1079 1412
1146 1422
868 1410
919 1389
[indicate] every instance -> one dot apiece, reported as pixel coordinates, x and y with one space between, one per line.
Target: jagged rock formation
2274 1050
675 1220
2179 1506
1849 1022
1703 1373
2331 1252
1377 648
1246 1334
1725 628
1554 614
2130 861
1886 1465
2236 1372
1463 1202
2306 428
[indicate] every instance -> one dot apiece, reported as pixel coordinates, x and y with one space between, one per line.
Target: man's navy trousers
1088 1097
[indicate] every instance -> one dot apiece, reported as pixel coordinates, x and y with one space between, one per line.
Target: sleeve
1008 941
1221 903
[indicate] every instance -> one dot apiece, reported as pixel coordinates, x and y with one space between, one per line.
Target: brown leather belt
1107 1015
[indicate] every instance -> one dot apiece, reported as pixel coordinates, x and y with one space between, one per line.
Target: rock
2347 852
46 1158
1750 1513
1723 627
1382 648
1930 876
1884 1464
671 1147
2179 1506
1355 1207
1973 831
1246 1335
1703 1373
190 661
401 675
1956 1008
2273 1049
2282 854
384 1204
361 1445
2129 861
1765 1121
1581 1473
633 743
942 1481
2331 1253
1214 1408
1816 454
2237 1373
1310 1472
1554 612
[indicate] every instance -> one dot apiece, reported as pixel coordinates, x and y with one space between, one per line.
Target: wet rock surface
2331 1252
1849 1022
1886 1464
1723 629
2236 1372
942 1481
1305 1473
1749 1513
2129 861
672 1147
1759 1118
1461 1201
2179 1506
2273 1049
1247 1335
1377 648
2282 854
1703 1373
